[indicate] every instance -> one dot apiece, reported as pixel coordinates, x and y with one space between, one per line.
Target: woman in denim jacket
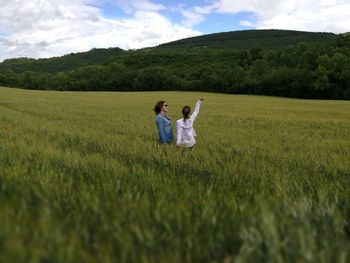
163 122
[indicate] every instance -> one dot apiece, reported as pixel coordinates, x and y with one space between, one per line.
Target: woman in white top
184 126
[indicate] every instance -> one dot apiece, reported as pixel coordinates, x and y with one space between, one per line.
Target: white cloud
44 28
132 5
309 15
246 23
191 17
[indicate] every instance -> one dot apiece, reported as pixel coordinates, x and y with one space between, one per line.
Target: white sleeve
178 133
196 111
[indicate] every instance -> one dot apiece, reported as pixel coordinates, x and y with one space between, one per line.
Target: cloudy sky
45 28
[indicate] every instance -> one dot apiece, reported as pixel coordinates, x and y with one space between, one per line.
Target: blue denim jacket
165 130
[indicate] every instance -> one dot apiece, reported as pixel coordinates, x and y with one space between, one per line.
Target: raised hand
201 98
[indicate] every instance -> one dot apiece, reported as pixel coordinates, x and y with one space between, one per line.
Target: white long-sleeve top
184 129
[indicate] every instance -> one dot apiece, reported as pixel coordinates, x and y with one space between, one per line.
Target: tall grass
82 179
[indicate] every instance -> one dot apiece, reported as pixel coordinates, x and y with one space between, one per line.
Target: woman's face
165 107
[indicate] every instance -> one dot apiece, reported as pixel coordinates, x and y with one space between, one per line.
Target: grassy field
82 179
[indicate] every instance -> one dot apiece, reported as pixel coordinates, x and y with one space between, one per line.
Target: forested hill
280 63
63 63
271 39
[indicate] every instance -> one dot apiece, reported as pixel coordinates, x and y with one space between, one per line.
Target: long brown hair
186 110
158 107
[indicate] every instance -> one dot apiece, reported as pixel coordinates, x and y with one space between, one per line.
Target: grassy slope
82 179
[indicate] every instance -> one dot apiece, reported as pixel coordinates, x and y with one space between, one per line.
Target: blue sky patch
214 22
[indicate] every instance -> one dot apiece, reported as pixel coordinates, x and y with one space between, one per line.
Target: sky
47 28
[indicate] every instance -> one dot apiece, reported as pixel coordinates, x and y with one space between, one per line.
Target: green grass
82 179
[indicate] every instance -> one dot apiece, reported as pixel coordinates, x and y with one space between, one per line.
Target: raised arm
196 109
160 127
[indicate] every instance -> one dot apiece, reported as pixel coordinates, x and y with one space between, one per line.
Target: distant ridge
268 39
272 38
262 62
64 63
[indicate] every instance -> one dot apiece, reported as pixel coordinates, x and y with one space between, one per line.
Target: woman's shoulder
187 124
159 117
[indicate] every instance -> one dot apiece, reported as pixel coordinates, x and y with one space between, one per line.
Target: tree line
306 70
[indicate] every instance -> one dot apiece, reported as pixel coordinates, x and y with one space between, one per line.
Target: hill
272 39
272 62
63 63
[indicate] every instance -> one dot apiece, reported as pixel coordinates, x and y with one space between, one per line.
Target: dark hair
158 106
186 110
